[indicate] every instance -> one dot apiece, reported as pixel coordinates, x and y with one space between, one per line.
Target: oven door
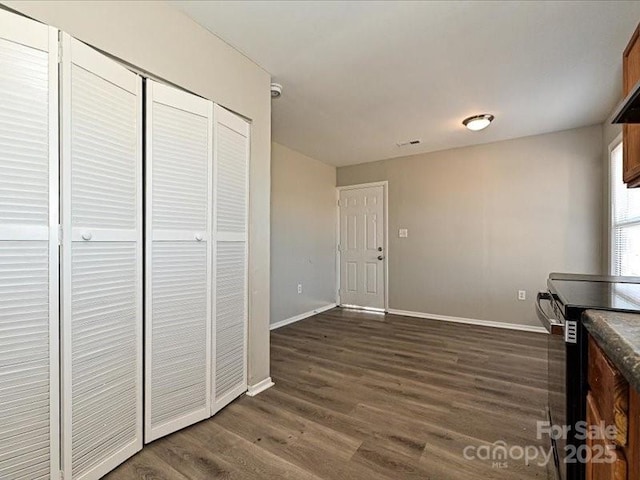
557 376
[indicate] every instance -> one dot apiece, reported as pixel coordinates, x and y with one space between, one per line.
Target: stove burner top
581 292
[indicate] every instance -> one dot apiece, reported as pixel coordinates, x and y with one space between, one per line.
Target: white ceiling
359 76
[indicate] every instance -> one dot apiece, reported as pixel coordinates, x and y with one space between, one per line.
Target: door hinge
59 52
61 475
60 235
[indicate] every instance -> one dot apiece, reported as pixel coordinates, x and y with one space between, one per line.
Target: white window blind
625 221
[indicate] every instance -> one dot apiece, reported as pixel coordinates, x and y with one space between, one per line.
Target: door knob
379 249
380 257
87 236
198 237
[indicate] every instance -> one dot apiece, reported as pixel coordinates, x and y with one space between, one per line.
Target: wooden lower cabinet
605 460
610 392
633 448
611 401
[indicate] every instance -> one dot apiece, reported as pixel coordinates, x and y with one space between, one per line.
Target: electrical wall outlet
522 294
299 288
403 233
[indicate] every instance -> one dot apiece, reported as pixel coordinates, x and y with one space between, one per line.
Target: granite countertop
619 336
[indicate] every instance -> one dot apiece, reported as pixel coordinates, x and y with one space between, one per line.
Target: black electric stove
560 311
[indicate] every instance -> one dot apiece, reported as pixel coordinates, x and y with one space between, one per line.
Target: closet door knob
87 236
198 237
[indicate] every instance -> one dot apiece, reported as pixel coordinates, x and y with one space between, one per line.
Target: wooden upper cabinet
631 132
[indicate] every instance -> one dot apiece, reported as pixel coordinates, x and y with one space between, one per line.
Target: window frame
612 224
611 206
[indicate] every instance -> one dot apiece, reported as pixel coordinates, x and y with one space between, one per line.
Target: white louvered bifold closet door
178 252
101 262
231 192
29 385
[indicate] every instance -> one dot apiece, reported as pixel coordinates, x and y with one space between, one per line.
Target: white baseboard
470 321
302 316
259 387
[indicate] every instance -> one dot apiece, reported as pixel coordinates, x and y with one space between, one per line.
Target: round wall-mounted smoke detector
276 90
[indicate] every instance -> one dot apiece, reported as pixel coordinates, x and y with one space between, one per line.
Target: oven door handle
553 326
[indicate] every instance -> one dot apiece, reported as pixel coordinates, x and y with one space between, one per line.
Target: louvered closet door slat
102 262
29 419
231 172
230 314
231 191
178 298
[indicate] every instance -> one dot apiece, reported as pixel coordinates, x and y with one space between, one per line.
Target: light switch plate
403 233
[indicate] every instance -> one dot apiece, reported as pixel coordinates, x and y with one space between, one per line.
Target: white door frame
385 189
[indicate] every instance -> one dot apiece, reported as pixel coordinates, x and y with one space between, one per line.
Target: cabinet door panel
633 447
606 462
631 132
610 391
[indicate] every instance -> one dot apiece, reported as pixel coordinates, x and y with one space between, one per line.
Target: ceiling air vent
409 142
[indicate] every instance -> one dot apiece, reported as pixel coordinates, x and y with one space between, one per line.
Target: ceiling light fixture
478 122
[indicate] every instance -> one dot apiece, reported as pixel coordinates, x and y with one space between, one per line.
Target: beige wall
303 233
489 220
163 41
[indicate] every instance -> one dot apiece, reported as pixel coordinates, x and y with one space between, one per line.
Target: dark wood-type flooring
360 396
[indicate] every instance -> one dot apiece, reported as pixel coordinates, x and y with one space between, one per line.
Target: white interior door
101 261
29 420
178 265
362 247
231 188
